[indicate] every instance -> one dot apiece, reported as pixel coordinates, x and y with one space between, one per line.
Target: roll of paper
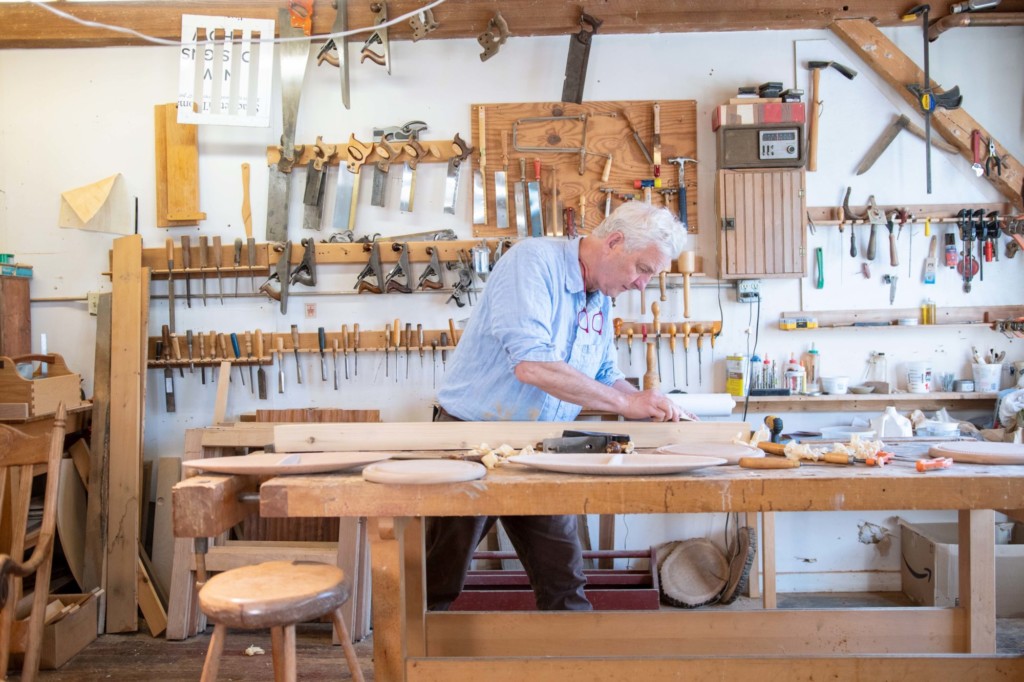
705 404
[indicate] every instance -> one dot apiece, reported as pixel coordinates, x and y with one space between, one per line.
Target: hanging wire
176 43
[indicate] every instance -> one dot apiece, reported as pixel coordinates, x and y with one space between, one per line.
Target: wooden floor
141 657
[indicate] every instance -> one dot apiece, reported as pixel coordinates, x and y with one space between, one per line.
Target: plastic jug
811 362
891 424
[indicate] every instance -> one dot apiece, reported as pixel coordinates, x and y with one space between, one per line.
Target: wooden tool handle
768 463
672 338
259 344
344 338
451 329
837 458
662 276
812 143
686 295
246 206
395 330
772 448
656 312
186 252
607 169
295 336
651 378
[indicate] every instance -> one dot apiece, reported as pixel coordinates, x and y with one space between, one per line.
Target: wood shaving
860 449
491 458
254 650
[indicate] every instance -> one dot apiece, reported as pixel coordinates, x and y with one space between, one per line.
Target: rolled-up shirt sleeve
523 311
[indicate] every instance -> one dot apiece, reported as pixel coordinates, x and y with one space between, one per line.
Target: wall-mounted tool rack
327 253
886 319
609 131
370 341
437 151
937 213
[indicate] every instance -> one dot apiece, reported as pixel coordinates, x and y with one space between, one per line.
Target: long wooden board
607 132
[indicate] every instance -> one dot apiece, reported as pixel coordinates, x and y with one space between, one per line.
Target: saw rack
327 253
436 151
370 341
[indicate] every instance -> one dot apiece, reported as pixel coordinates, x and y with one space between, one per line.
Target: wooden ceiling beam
28 26
955 125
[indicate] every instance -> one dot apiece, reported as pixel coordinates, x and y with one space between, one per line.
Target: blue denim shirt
534 308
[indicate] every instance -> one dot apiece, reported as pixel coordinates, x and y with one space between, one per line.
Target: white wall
70 117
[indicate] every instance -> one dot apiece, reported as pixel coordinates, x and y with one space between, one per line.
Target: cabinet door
761 221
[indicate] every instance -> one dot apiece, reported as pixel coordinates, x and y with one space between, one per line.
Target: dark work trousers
547 546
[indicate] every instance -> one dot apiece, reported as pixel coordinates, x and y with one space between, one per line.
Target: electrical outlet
748 290
93 302
310 311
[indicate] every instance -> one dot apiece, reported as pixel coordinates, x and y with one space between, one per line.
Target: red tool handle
301 12
536 169
937 463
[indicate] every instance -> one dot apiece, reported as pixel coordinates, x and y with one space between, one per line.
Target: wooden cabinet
762 214
15 321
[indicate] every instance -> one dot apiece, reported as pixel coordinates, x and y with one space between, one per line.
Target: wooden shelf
886 318
867 403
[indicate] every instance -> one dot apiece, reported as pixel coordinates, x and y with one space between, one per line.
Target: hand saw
579 55
451 182
294 22
340 47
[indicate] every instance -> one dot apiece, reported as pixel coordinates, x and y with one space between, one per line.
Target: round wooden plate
730 452
424 471
979 452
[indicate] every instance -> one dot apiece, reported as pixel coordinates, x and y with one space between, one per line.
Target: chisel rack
936 213
437 151
369 341
682 330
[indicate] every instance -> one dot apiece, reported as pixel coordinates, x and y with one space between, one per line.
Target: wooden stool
275 595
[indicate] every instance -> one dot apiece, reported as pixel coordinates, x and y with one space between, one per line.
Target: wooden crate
22 398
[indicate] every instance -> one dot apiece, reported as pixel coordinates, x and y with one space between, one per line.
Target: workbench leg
769 599
606 539
386 559
977 564
414 587
754 577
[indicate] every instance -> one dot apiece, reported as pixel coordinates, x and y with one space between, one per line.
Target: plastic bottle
795 376
891 423
811 362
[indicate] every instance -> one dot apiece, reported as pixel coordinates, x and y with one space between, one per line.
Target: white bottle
891 424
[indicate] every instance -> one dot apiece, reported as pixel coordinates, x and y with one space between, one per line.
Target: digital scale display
778 144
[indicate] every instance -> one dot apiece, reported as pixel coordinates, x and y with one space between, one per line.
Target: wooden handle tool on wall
687 262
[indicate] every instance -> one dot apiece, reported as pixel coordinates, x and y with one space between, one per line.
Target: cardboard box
930 575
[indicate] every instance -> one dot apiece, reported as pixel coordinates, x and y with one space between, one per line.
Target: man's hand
653 405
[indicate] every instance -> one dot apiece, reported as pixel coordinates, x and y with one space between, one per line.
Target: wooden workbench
411 644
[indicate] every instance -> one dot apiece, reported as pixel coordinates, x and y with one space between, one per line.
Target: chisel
295 349
408 343
355 348
168 380
321 337
222 346
238 354
188 345
202 357
334 354
170 283
444 351
237 261
186 263
280 365
395 336
204 246
177 353
261 374
248 358
419 343
217 251
387 347
344 347
433 360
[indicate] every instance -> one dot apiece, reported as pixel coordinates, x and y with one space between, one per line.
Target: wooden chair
19 456
275 595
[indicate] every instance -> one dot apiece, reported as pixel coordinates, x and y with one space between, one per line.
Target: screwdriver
248 358
238 354
344 346
204 246
444 352
355 347
186 263
334 353
672 350
238 262
295 349
321 338
629 344
686 350
261 374
280 365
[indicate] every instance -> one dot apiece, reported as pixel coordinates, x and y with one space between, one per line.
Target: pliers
993 159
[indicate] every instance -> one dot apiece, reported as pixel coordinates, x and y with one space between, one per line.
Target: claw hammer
680 161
